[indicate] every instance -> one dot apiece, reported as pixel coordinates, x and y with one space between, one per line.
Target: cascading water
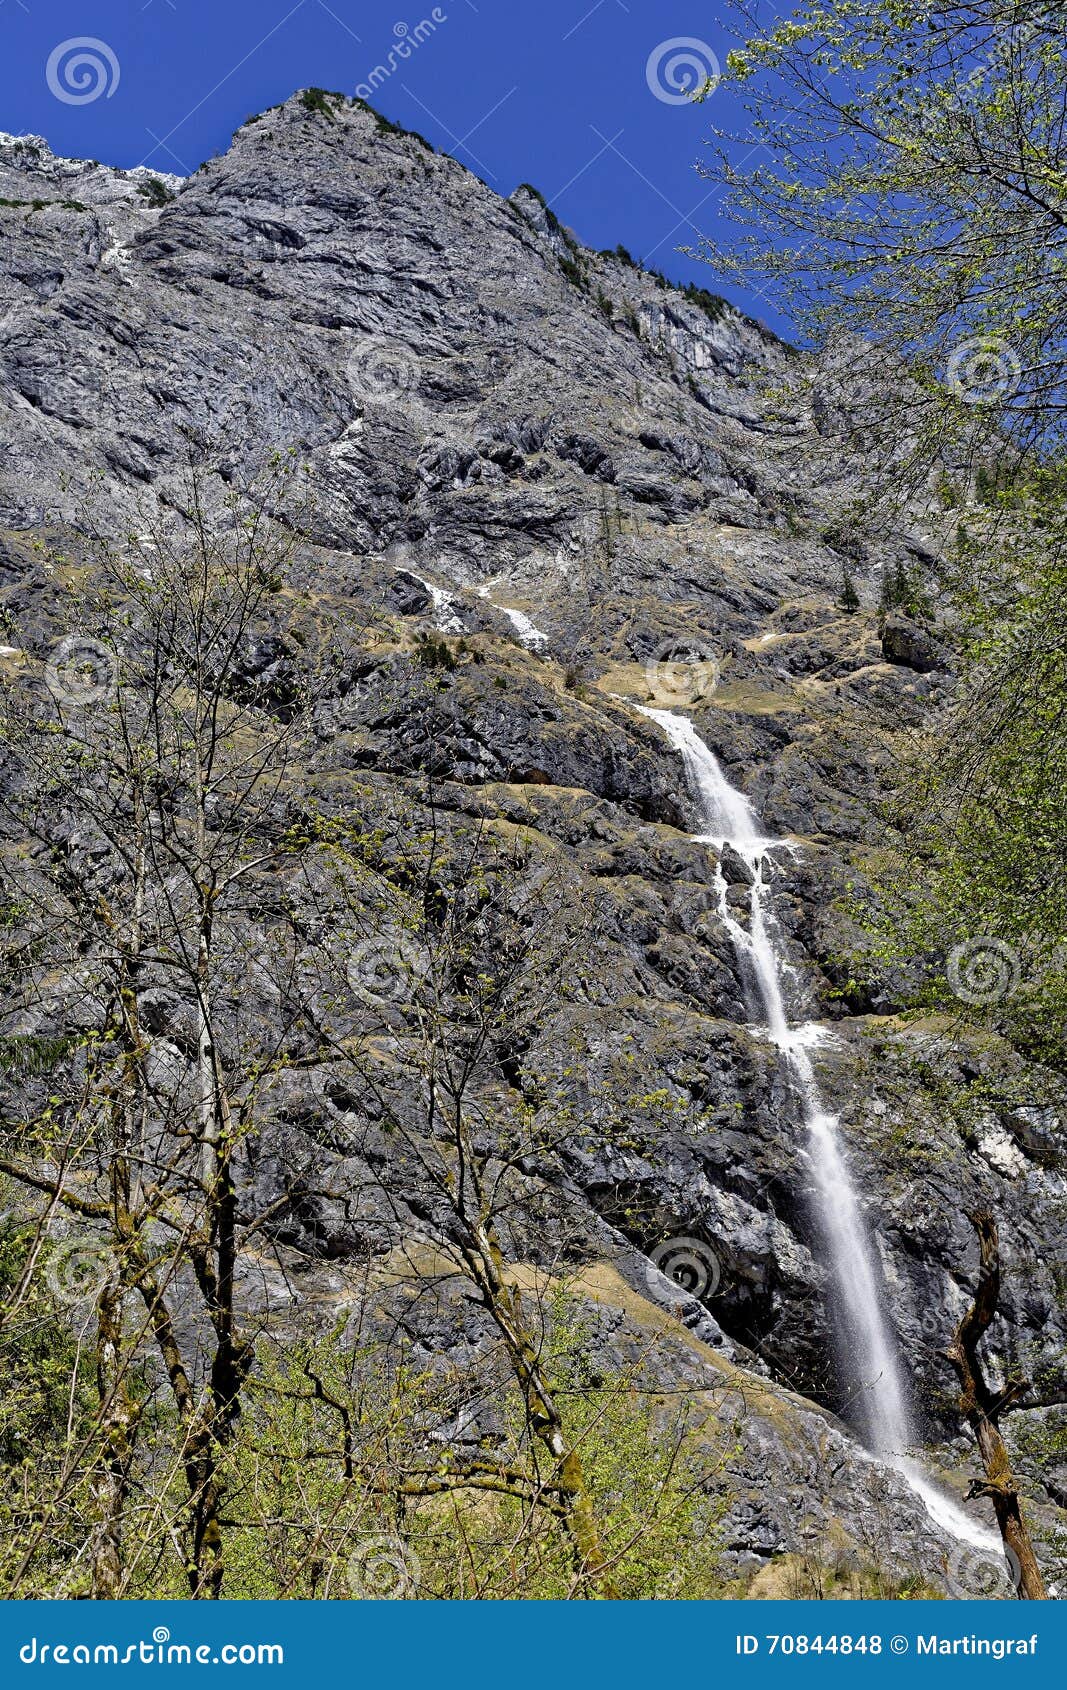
529 634
444 613
869 1355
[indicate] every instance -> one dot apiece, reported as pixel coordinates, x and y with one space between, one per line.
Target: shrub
155 192
712 304
902 591
321 103
432 652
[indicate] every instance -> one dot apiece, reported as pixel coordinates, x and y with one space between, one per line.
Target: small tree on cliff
848 598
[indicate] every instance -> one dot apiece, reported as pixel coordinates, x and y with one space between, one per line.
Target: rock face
904 642
618 495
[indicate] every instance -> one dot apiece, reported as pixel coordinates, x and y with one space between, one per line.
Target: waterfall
444 613
868 1353
528 634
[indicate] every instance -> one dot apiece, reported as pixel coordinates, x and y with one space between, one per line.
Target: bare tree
147 777
461 947
183 928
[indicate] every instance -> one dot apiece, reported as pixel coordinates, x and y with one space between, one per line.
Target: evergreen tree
848 598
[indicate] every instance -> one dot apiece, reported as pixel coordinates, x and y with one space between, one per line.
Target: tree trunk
109 1481
982 1409
504 1304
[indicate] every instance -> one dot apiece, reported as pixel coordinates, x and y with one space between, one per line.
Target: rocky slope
586 474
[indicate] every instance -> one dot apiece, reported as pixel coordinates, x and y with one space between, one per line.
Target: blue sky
567 94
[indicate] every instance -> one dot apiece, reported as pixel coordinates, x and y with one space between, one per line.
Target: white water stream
529 634
444 613
868 1353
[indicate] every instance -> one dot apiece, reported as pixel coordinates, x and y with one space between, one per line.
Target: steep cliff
599 492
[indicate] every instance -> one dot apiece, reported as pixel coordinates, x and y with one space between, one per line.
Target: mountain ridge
498 423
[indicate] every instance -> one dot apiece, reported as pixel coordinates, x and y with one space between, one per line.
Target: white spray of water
529 634
868 1350
444 614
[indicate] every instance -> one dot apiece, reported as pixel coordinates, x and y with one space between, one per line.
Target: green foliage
658 1523
987 488
318 1423
38 1354
553 221
335 1438
321 103
848 598
845 538
386 126
974 863
713 305
432 652
571 261
574 271
47 1420
919 200
27 1053
902 590
40 205
155 192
